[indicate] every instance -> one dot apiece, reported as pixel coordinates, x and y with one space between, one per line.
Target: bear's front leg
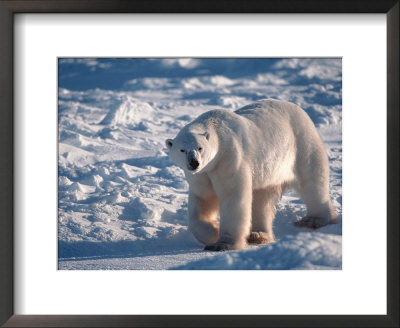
235 200
203 212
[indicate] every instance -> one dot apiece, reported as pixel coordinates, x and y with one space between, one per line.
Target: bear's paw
312 222
219 247
259 238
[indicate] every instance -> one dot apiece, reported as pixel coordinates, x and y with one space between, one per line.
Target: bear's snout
193 164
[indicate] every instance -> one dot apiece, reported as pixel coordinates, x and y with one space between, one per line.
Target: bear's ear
207 135
168 143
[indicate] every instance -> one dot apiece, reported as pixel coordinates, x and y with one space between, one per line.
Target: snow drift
303 251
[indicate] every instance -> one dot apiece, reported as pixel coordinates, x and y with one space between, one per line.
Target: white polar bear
238 164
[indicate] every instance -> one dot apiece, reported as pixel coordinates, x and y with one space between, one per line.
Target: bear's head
192 150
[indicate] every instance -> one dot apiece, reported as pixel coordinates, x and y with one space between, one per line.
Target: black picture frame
7 10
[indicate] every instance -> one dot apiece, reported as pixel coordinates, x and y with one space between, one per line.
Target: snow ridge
129 113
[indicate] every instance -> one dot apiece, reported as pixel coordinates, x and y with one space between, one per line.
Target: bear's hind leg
320 211
263 214
202 218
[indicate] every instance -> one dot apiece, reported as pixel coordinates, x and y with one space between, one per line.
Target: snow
302 251
128 112
123 203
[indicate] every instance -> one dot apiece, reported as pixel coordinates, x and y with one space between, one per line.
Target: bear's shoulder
269 104
214 115
212 120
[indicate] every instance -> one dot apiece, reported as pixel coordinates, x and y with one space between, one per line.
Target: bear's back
268 108
278 114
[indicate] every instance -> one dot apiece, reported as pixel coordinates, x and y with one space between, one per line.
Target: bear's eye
199 149
182 150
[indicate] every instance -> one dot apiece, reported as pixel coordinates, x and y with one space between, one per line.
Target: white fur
245 160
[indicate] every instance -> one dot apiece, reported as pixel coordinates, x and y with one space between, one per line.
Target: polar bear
239 163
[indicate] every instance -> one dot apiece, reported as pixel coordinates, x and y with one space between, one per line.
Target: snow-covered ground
122 202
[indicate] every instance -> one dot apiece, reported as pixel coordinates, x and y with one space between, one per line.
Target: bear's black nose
194 164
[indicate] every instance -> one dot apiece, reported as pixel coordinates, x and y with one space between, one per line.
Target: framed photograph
121 121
